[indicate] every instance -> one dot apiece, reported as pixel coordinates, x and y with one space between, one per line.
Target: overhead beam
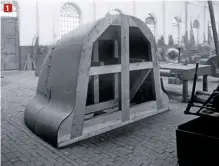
109 69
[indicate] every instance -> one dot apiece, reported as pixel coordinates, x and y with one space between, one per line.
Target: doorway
9 43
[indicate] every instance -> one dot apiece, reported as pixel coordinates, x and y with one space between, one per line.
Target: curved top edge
89 32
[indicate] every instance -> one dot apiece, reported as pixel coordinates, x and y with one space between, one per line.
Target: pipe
164 21
213 25
186 16
37 18
94 10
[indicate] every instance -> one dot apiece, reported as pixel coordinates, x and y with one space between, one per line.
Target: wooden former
185 73
75 77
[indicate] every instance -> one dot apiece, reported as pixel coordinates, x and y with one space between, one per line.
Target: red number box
8 7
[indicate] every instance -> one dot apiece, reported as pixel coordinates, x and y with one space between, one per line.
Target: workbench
185 73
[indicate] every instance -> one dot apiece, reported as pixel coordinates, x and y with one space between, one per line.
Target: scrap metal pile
207 104
198 139
187 52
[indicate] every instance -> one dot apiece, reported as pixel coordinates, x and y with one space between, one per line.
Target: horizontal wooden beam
136 60
101 106
140 66
109 69
108 37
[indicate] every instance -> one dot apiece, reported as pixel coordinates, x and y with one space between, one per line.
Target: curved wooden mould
57 111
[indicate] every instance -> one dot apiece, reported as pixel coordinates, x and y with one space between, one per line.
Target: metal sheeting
59 101
56 89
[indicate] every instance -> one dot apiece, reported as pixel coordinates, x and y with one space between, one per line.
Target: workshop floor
150 142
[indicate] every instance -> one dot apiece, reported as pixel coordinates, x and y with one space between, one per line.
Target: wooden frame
61 119
109 69
125 22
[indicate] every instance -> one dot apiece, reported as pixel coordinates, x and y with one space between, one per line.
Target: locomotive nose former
99 77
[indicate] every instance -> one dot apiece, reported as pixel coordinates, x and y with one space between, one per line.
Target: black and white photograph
109 82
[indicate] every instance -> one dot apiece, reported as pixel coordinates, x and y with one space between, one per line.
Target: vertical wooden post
205 83
185 91
125 89
156 74
96 77
81 92
116 75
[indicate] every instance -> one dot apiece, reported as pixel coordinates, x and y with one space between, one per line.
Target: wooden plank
107 69
116 75
101 106
81 93
156 80
140 66
96 77
113 125
117 68
125 82
83 74
134 89
186 72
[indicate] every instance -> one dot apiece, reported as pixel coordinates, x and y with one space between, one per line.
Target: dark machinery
207 103
198 139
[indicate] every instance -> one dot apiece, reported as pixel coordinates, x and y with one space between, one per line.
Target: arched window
70 16
176 29
196 26
151 23
14 12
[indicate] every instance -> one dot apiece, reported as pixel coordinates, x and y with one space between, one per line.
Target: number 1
7 8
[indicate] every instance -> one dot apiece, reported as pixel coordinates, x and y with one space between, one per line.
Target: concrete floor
149 142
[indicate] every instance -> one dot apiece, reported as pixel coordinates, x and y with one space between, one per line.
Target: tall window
196 27
176 29
151 23
14 12
69 18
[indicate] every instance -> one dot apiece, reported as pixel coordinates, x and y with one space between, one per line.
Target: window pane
69 18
